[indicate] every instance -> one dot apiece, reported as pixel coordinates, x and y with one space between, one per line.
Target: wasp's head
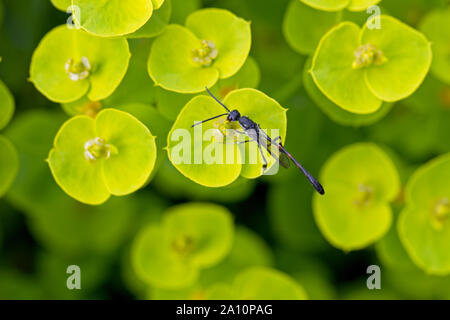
234 115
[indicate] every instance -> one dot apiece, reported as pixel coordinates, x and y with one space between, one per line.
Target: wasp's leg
239 142
262 153
277 140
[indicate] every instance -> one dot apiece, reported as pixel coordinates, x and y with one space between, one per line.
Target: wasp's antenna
217 99
220 115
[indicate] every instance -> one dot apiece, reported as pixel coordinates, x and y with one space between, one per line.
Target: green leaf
156 24
156 263
204 230
361 5
149 116
170 64
260 283
332 71
214 44
230 34
6 105
9 164
78 177
386 64
170 103
327 5
224 167
113 154
113 18
424 225
336 113
62 5
361 181
392 253
190 237
408 55
127 171
185 145
157 4
436 26
304 26
337 5
172 183
154 121
248 250
83 65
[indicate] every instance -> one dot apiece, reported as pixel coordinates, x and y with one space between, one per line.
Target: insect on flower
253 131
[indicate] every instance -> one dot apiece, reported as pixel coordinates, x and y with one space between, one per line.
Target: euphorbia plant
170 103
362 182
113 18
358 69
191 237
424 225
336 5
82 66
213 45
253 103
113 153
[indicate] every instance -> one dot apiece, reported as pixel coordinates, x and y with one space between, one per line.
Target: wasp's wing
279 155
284 154
284 160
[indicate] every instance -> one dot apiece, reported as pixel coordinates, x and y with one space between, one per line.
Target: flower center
90 108
365 194
226 131
367 55
440 213
78 70
96 149
206 54
183 245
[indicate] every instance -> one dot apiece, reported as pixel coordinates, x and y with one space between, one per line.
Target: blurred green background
42 230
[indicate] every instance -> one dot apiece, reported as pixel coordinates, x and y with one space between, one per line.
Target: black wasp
254 132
